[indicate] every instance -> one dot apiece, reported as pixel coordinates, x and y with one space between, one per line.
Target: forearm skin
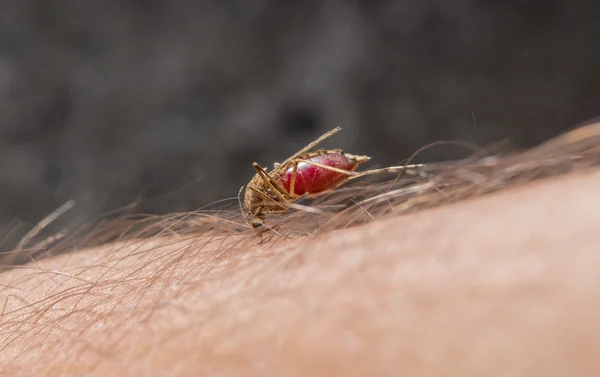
503 285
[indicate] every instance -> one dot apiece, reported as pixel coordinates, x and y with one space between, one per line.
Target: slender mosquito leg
293 182
326 135
413 170
279 191
312 145
261 194
341 171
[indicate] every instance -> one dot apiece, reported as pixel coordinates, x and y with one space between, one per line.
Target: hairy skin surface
504 285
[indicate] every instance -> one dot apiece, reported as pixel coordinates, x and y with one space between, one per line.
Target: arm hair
503 285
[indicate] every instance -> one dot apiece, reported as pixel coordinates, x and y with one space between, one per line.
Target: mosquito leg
311 145
274 207
412 170
293 182
265 197
341 171
279 191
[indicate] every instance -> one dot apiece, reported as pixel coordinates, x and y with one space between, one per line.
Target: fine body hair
486 266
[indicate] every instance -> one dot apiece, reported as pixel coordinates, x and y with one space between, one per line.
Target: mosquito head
256 221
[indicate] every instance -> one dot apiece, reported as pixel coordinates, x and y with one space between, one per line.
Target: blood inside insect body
316 178
303 173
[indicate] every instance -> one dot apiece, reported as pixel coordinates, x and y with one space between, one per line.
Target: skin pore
501 285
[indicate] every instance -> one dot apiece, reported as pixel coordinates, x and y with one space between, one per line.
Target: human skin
506 284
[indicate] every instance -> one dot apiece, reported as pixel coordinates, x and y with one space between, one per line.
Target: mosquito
304 174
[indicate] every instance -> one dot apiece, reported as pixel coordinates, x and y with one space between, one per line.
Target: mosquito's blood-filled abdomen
313 179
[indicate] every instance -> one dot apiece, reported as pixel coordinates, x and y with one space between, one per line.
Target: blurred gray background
169 102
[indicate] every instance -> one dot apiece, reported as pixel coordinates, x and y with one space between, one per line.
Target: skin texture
502 285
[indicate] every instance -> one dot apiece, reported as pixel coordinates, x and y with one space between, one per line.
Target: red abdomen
313 179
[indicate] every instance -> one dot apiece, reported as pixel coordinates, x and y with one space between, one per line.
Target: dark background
169 102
